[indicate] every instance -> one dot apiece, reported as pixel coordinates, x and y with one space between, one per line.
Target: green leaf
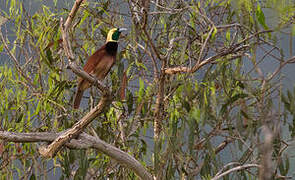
141 90
44 58
214 32
290 96
139 64
129 101
120 70
232 100
20 117
86 14
196 114
33 177
227 35
236 97
260 16
186 105
72 156
287 165
49 56
293 30
281 168
286 102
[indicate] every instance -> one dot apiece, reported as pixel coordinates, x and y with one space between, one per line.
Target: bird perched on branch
100 63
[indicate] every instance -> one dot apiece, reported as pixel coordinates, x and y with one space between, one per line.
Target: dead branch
84 141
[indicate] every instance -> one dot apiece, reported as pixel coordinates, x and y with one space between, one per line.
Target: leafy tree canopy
197 89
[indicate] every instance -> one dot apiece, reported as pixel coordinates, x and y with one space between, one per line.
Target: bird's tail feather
77 99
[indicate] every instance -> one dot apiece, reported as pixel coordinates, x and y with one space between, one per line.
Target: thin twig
15 61
238 168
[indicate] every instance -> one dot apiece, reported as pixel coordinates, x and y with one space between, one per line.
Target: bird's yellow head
114 34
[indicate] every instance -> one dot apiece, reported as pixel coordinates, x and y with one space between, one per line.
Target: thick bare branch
73 132
84 141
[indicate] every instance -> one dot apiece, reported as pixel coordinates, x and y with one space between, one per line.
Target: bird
99 63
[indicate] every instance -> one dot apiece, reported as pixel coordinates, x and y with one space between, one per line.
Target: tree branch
72 14
231 50
266 170
73 132
211 59
84 141
218 176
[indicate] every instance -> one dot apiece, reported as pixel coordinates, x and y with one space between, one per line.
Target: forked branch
73 132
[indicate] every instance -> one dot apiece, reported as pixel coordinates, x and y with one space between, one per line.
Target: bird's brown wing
90 65
99 64
94 59
104 66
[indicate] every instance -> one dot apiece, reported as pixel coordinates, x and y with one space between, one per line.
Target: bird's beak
122 29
